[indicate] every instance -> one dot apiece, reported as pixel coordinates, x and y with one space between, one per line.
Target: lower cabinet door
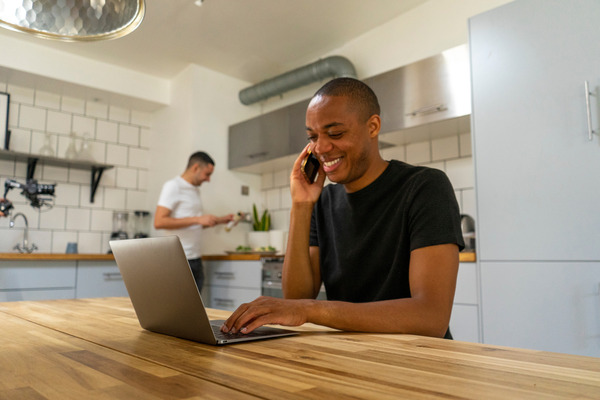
464 323
552 306
230 298
99 279
36 294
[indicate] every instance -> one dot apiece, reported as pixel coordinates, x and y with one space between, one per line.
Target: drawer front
466 284
37 274
241 274
99 279
229 298
464 323
34 295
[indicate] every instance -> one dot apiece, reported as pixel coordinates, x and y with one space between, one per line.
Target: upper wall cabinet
434 89
259 139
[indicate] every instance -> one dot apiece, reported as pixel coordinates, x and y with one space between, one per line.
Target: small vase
257 239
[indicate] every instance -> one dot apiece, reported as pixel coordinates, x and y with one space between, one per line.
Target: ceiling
252 40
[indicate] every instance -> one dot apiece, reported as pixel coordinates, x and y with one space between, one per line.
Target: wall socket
245 190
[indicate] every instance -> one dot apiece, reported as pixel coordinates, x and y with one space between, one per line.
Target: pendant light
72 20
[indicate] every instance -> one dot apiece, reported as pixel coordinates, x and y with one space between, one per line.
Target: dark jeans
198 272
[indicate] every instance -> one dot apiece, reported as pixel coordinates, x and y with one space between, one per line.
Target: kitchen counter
463 257
95 348
54 257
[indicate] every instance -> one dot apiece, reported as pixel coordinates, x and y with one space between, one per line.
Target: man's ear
374 124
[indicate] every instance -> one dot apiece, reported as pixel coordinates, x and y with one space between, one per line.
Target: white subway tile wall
450 154
116 136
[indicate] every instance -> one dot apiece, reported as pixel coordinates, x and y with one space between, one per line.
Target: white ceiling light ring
73 20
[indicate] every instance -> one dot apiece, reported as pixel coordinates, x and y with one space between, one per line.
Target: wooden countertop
54 257
463 257
95 348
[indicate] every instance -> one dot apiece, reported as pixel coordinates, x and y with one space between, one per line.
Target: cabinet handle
589 110
225 275
256 155
427 110
224 302
112 276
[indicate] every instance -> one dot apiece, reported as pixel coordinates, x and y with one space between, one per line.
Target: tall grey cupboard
538 173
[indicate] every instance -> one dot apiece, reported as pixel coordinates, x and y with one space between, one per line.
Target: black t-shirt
365 238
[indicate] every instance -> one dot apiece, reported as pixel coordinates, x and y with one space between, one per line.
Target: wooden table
95 349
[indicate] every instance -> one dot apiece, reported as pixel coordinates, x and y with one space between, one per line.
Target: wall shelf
32 159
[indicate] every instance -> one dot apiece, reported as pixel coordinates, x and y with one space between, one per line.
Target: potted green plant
259 237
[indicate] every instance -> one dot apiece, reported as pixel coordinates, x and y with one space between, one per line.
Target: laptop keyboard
221 335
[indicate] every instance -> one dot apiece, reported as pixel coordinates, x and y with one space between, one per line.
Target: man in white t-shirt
180 210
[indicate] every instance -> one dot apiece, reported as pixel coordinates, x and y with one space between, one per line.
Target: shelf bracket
96 175
31 163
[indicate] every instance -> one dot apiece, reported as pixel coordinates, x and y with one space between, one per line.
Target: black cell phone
310 167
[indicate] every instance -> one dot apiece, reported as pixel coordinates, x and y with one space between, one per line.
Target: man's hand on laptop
265 311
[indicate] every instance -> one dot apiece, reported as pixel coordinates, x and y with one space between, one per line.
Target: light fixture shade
72 20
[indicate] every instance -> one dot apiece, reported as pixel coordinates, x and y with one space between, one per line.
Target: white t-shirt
183 199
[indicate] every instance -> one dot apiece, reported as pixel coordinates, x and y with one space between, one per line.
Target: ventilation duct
334 66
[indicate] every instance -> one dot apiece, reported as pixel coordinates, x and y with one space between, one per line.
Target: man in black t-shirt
384 240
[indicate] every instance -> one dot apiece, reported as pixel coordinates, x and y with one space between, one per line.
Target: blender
120 220
141 224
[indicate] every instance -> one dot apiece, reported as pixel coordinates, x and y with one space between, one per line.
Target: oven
272 270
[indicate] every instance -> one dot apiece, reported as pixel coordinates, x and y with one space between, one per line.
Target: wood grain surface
95 348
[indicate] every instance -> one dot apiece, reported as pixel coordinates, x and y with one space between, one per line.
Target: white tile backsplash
78 219
59 122
460 172
47 100
54 174
418 153
145 137
101 220
126 177
116 155
138 158
90 243
20 140
60 240
98 110
136 200
32 118
20 94
117 136
465 144
118 114
84 125
114 198
72 105
67 194
129 135
107 131
444 148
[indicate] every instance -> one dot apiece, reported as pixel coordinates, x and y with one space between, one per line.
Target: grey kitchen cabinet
228 284
434 89
536 182
297 127
259 139
544 306
29 280
535 166
465 322
99 279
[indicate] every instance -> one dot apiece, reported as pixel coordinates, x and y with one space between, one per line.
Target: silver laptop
164 294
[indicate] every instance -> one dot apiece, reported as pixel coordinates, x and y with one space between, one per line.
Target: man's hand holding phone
307 177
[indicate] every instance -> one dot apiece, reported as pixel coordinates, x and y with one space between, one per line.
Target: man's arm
301 273
163 220
432 276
